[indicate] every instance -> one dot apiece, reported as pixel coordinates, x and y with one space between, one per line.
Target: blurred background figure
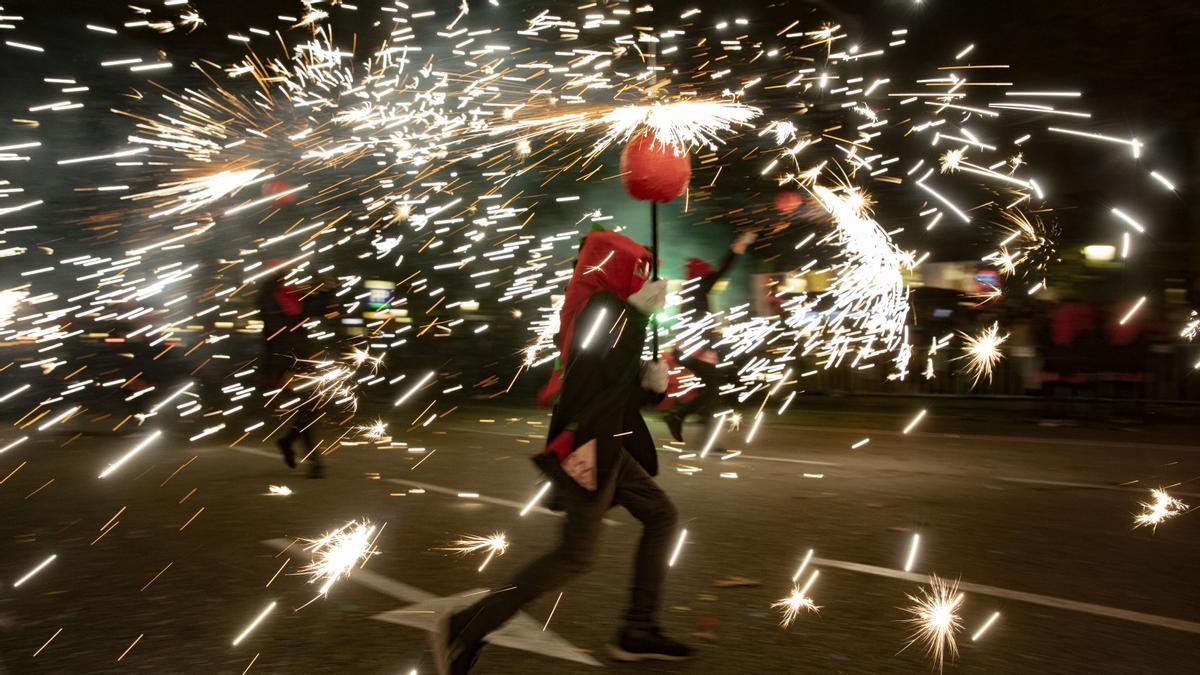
704 361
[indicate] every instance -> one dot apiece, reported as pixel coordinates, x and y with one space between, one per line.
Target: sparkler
934 619
982 352
797 601
495 544
1161 508
335 554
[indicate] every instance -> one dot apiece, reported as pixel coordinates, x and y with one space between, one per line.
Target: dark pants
301 430
708 398
631 487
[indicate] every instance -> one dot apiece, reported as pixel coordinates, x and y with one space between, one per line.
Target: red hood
698 268
607 262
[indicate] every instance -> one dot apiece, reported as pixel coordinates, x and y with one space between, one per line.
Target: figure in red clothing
703 361
598 453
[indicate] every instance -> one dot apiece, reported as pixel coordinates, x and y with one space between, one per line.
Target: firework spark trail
934 619
982 352
495 544
796 601
335 554
1162 508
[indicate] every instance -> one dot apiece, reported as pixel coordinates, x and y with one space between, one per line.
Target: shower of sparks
335 554
321 158
796 601
934 619
1161 508
982 352
495 544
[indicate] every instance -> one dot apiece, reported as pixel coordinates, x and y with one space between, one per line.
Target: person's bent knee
578 561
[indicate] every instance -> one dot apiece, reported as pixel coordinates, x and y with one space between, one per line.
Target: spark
912 553
495 544
803 565
796 601
915 421
678 548
254 624
536 498
1128 219
35 570
986 625
1162 508
336 553
935 620
133 451
983 352
412 390
1132 310
279 490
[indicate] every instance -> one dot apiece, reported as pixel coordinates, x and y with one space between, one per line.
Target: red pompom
655 171
276 187
788 202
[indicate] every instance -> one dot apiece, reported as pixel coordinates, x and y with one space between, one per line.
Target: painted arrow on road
522 632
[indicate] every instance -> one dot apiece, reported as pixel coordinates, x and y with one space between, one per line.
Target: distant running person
703 362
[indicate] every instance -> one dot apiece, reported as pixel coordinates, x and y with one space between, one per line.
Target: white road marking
521 632
1022 596
454 492
760 458
379 583
1089 486
483 498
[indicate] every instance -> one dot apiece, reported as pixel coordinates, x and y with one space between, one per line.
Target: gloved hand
651 298
654 376
743 242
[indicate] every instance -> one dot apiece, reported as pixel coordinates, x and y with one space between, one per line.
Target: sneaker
450 655
647 644
289 456
674 425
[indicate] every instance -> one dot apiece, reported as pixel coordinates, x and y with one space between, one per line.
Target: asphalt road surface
160 565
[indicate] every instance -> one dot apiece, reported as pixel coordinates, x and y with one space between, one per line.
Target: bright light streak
35 570
678 548
986 625
412 390
587 340
60 417
912 553
254 624
915 421
1133 310
536 498
1125 217
803 564
135 450
14 444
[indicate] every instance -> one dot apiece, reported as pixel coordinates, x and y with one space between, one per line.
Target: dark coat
602 393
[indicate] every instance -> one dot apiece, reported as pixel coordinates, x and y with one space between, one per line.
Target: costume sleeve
711 279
